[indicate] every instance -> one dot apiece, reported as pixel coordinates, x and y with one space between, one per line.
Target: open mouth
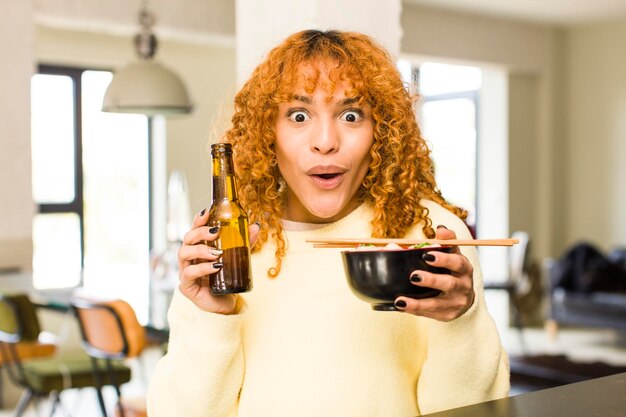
327 181
327 176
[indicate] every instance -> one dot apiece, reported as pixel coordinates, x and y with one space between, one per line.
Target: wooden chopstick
352 242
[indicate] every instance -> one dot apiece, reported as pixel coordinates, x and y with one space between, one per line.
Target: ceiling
214 20
562 12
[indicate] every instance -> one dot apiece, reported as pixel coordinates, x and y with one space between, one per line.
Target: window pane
56 250
449 127
115 167
437 78
52 135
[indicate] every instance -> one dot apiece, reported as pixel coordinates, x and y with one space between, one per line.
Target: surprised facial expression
323 143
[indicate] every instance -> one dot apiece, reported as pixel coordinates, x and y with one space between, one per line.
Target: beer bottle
233 238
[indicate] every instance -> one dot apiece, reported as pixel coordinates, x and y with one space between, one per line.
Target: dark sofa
588 288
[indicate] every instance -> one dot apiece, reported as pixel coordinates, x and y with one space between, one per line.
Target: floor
586 345
583 346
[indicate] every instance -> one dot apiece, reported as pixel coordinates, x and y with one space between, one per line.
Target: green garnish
420 245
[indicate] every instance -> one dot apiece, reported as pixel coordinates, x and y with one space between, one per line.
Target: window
90 182
57 180
448 119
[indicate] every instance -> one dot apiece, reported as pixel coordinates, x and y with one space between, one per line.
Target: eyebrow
348 101
303 99
344 102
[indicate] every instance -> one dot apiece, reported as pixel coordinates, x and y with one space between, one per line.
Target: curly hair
401 170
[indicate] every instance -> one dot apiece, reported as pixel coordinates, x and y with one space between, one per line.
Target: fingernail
214 229
217 265
258 224
216 252
442 226
400 304
202 212
416 278
428 257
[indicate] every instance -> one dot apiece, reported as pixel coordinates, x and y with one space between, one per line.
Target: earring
282 185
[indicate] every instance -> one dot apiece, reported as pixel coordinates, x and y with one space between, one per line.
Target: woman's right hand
196 261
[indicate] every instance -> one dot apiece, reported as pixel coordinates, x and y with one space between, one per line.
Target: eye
352 116
298 116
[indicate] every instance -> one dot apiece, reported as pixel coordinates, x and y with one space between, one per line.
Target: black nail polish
202 212
428 257
416 278
258 224
441 225
218 265
400 304
214 229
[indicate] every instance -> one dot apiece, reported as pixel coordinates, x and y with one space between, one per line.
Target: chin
326 212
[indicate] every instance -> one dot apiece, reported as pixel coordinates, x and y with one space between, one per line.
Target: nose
326 138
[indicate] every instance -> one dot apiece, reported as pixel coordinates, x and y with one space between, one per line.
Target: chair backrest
109 329
19 324
18 319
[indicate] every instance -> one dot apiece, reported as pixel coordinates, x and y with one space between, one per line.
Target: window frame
76 206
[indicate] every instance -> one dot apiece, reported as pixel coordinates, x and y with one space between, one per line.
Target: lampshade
146 87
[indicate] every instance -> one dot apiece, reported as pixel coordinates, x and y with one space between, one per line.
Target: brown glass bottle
227 213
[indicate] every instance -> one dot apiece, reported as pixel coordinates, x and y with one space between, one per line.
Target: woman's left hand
457 288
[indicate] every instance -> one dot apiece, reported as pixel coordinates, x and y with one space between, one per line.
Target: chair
518 283
42 377
110 330
32 344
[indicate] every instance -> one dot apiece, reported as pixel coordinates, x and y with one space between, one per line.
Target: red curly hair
401 171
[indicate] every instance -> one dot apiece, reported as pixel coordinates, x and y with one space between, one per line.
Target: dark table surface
601 397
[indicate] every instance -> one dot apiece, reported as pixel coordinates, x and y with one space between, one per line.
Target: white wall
378 19
520 46
16 202
523 120
595 148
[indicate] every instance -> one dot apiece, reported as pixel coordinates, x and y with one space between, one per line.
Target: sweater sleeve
202 372
466 362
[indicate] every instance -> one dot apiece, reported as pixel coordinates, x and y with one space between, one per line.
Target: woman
326 144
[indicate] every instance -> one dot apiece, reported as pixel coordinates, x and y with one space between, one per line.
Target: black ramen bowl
380 276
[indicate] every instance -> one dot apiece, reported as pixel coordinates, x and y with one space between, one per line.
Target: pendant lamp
145 86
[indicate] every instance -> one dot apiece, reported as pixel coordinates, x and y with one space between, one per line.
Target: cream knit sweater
304 345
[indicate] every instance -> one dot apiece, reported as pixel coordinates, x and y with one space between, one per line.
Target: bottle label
234 277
